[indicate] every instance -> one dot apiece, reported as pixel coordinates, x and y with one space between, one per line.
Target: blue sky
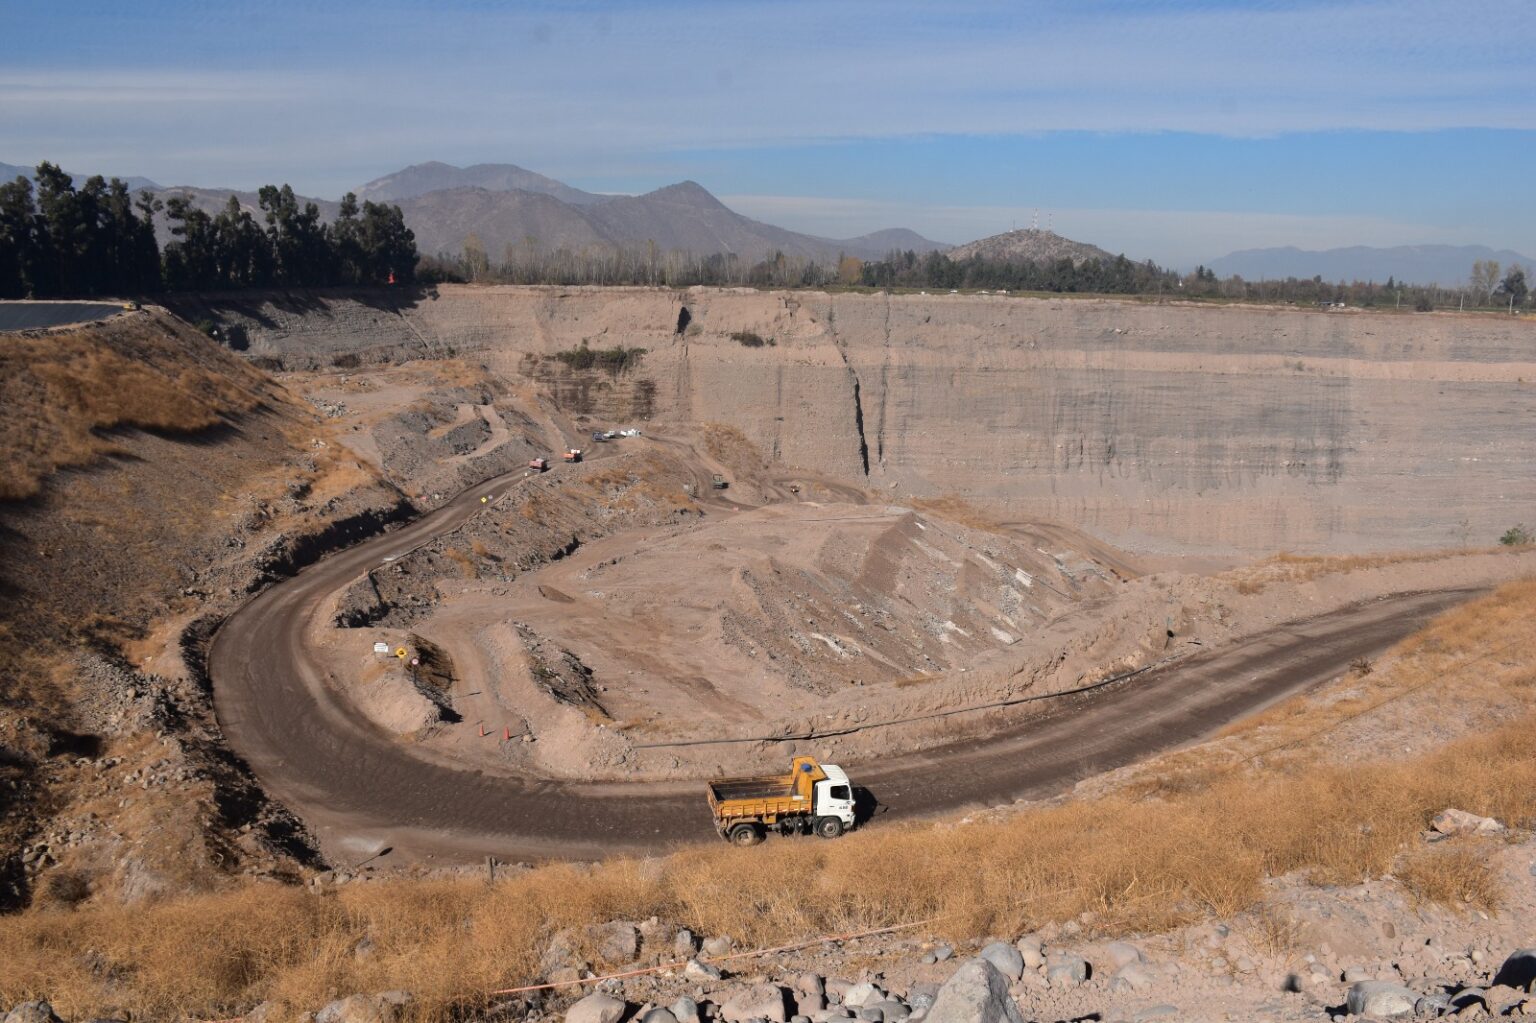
1177 131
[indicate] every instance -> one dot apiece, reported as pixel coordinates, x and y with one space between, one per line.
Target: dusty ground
622 636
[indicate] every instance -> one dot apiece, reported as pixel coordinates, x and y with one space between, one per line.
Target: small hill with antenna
1029 245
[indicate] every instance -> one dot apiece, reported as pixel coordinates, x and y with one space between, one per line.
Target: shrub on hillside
614 360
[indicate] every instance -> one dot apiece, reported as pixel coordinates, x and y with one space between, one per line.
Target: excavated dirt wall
1162 428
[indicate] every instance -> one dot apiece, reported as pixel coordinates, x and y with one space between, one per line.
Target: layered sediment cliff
1164 428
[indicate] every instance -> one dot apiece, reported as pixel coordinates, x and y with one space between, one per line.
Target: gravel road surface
360 790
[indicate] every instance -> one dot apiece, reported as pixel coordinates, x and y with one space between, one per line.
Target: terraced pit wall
1162 428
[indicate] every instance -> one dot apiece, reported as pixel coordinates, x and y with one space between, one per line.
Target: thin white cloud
61 92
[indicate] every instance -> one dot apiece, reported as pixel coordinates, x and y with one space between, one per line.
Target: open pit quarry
950 525
1159 428
1014 563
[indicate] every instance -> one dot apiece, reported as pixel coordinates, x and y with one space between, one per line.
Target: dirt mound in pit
542 520
755 617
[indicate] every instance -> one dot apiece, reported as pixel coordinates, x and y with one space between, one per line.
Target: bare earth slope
361 790
1161 428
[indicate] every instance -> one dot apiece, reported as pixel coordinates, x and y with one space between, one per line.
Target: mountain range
1446 265
508 210
11 171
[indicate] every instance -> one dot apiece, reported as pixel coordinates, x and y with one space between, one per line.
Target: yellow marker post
484 499
402 653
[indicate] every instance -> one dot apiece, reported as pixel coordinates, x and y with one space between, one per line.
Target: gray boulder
1122 953
717 946
1460 822
595 1008
810 984
1031 952
1437 1003
759 1001
870 1014
380 1008
977 993
807 1002
860 995
891 1010
920 996
1008 960
1062 969
1379 998
1136 976
685 944
617 942
685 1010
659 1016
32 1012
701 971
1519 970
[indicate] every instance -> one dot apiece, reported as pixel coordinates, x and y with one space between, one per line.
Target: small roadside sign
381 648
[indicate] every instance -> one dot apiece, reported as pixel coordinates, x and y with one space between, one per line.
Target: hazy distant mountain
1446 265
1029 245
525 221
681 217
11 171
422 178
896 239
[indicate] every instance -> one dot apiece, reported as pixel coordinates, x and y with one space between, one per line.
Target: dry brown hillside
151 477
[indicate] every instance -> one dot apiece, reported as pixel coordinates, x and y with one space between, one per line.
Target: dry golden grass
1476 658
1297 568
1456 873
60 391
1137 864
731 448
1201 839
467 567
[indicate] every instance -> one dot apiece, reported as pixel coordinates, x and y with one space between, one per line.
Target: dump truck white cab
834 799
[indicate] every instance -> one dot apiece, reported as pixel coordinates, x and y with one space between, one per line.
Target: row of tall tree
57 240
1117 276
606 265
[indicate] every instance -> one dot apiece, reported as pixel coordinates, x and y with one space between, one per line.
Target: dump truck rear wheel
746 834
829 827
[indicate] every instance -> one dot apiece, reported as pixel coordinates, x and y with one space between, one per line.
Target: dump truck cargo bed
750 788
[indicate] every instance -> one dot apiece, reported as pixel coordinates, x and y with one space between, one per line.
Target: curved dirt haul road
361 790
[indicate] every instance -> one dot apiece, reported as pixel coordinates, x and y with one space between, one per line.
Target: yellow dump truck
811 797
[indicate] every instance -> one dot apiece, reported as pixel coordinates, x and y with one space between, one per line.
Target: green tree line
57 240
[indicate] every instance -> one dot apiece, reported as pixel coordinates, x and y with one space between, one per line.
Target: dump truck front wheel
746 834
829 827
